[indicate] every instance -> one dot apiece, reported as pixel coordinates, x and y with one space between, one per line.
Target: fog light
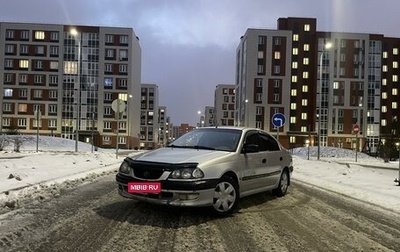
188 196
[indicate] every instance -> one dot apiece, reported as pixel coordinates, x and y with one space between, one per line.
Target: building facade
224 105
149 117
325 83
209 116
75 82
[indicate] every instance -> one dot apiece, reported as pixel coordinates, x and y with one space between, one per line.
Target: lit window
395 64
306 61
292 139
384 95
294 78
70 67
39 35
293 106
24 64
385 55
295 51
384 82
304 102
304 116
306 47
384 109
395 51
394 91
277 55
303 129
8 92
306 27
305 88
384 68
383 122
293 92
295 37
22 107
395 78
294 65
305 75
394 105
54 65
335 85
292 119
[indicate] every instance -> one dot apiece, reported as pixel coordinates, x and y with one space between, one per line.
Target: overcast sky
188 46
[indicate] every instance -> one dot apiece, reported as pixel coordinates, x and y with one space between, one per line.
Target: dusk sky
188 46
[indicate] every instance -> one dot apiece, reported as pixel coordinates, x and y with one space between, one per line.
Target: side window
268 143
252 138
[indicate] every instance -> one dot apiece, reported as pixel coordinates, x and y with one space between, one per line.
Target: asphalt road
93 217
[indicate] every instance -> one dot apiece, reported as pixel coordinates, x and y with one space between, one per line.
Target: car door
272 159
254 172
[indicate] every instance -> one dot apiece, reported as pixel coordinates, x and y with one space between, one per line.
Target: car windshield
210 139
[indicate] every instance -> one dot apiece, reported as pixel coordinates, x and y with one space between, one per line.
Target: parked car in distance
211 166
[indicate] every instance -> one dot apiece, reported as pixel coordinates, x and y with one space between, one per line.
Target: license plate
144 187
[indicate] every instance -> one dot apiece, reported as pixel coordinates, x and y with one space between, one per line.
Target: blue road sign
278 119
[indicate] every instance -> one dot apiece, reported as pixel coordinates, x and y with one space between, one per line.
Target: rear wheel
283 184
226 196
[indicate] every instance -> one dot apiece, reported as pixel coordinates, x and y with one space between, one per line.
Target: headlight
124 168
187 173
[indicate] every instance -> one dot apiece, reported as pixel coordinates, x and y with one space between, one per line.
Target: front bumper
175 193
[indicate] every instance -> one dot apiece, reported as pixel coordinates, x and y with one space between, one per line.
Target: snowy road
93 217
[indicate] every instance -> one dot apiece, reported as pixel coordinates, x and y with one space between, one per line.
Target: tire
282 188
226 196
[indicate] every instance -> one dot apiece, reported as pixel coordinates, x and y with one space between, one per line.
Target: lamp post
398 178
246 102
326 46
75 34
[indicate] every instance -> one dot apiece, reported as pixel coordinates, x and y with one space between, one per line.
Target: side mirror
250 148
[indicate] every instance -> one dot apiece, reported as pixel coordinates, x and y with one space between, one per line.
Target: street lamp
326 46
75 34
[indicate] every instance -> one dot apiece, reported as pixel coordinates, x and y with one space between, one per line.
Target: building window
295 51
53 94
304 102
306 61
277 41
304 88
38 64
109 53
277 55
24 64
305 75
39 50
109 38
395 51
303 116
107 110
277 69
123 83
107 125
293 106
23 93
108 68
294 78
23 49
53 108
6 122
8 63
295 37
9 34
292 119
293 92
306 47
8 92
37 93
123 68
38 79
21 122
22 107
54 36
394 105
54 50
10 49
259 82
123 54
7 107
23 78
383 122
306 27
292 139
395 78
123 39
276 98
52 123
384 68
294 65
394 91
8 78
70 67
39 35
277 83
53 79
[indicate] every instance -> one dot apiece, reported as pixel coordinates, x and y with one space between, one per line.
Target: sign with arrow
278 120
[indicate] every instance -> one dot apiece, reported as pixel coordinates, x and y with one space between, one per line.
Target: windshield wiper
176 146
203 147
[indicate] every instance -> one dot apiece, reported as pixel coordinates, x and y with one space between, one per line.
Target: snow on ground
28 175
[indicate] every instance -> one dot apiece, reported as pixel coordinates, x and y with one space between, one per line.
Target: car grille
145 173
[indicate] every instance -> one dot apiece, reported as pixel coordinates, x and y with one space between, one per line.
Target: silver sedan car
212 167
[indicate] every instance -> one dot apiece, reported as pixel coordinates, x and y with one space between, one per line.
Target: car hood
181 155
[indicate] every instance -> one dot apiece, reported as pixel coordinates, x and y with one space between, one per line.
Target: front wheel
226 196
283 185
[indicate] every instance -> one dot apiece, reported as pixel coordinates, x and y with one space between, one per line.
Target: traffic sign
278 119
356 129
118 105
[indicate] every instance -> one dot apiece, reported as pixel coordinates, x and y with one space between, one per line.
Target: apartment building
149 117
324 83
224 105
164 127
209 116
75 82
